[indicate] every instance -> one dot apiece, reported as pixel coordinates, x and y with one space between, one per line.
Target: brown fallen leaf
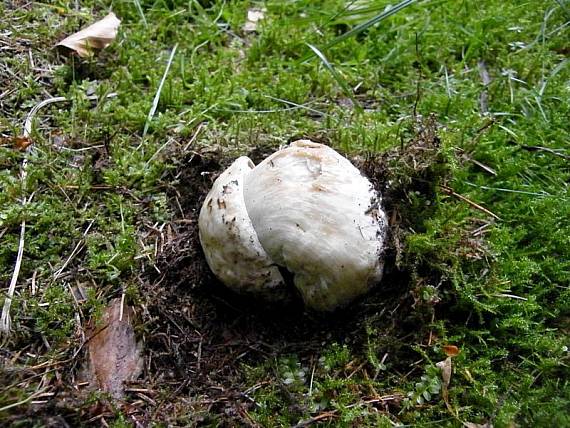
20 143
114 356
451 350
97 36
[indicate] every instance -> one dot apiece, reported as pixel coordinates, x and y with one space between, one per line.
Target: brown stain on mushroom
318 187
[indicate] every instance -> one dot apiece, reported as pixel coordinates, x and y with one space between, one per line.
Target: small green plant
428 387
292 373
335 357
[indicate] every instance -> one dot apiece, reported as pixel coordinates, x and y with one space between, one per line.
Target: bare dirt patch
199 335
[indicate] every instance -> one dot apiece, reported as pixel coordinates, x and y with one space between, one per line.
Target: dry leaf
451 350
446 369
253 17
97 36
21 143
114 356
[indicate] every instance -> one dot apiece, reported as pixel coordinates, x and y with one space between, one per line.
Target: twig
170 140
311 382
334 413
450 191
512 296
24 401
169 397
30 117
384 399
490 122
5 321
196 133
483 166
122 306
199 354
326 415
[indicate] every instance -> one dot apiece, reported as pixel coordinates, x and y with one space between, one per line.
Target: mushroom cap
229 240
317 215
305 208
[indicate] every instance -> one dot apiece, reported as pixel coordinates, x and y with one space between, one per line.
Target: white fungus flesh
315 214
305 208
229 240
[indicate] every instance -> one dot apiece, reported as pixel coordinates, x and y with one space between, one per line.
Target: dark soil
198 334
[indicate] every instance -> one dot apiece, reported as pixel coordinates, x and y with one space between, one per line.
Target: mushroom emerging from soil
304 216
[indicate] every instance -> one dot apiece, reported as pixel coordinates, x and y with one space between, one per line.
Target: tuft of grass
353 9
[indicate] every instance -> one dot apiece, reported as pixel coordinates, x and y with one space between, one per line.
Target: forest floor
458 111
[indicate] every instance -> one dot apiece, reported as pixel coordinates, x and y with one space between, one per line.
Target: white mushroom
228 238
306 209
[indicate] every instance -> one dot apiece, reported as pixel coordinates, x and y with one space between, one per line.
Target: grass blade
365 25
337 76
158 91
140 11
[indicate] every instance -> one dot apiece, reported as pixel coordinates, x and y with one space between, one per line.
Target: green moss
501 294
